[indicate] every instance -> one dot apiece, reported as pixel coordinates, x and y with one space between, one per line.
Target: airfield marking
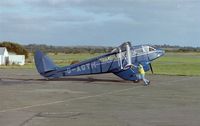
74 99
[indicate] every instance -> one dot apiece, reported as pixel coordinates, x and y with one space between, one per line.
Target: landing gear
136 81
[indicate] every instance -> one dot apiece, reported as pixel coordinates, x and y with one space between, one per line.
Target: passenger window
139 51
146 48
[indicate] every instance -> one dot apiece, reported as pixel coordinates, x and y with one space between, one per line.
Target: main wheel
136 81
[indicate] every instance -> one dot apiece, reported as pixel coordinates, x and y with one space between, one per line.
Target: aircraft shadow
88 80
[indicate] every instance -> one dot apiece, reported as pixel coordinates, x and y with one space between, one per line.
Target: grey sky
100 22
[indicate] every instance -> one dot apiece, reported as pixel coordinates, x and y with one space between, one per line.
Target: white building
6 58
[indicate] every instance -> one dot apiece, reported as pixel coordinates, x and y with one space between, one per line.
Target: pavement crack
28 120
60 115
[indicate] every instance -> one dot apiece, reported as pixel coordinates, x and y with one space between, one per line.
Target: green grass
60 59
170 64
66 59
178 64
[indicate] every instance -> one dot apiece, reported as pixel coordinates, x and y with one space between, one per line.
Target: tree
14 47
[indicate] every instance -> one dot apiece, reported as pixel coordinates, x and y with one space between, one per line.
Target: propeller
151 68
150 64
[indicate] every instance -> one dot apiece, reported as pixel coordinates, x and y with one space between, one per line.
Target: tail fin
43 63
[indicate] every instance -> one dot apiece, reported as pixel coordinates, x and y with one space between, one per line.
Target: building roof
2 50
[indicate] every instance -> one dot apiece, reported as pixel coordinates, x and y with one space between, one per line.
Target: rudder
43 63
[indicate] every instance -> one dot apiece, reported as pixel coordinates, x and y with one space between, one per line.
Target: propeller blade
151 68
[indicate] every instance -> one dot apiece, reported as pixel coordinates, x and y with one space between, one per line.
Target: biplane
120 61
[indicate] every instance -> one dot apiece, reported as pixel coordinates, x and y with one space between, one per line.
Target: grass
178 64
66 59
170 64
60 59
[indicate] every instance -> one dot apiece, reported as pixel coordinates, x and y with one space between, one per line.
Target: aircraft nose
157 53
160 52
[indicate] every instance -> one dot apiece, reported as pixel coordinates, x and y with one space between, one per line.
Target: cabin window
139 51
145 48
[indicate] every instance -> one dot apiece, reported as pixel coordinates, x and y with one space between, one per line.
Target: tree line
30 48
176 48
99 49
67 50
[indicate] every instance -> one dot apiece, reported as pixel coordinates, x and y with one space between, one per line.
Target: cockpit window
151 49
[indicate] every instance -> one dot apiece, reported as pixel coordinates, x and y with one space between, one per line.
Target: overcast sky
100 22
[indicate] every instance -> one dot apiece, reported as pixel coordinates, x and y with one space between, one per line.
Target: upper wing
88 61
115 51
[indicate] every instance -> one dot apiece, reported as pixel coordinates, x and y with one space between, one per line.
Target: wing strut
124 52
129 54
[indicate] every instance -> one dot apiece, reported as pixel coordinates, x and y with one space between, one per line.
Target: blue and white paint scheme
120 61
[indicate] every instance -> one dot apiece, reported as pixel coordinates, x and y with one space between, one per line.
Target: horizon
100 23
55 45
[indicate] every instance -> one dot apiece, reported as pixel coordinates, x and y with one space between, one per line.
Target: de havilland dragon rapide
121 61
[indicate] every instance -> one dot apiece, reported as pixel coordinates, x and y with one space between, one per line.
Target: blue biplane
119 62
